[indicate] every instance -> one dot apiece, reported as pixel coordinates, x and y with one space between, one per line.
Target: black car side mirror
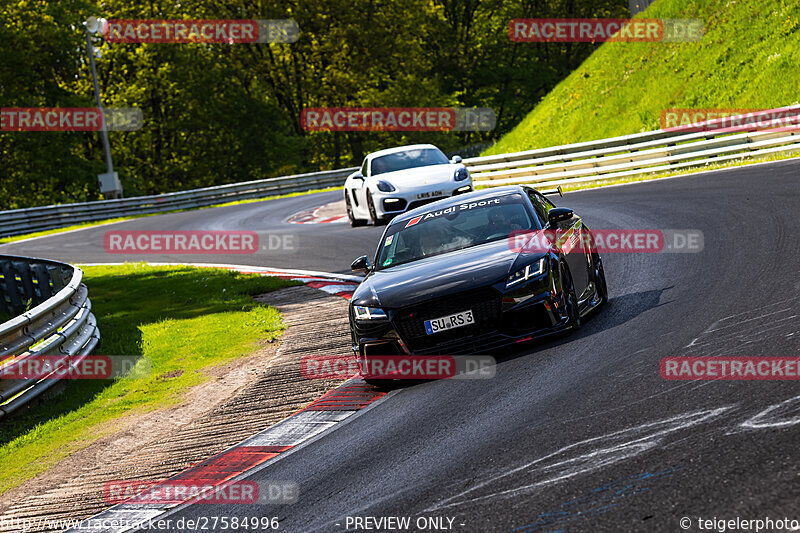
558 214
361 265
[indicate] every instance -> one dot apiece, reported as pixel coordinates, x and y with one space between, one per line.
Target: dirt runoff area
243 397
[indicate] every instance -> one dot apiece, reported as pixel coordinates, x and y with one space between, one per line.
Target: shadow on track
616 312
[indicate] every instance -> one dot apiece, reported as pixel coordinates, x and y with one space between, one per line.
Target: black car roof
458 199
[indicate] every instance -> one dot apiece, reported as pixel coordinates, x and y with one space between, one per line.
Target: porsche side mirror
557 215
358 175
361 265
456 159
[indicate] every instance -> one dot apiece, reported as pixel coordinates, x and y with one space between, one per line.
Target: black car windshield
420 157
457 227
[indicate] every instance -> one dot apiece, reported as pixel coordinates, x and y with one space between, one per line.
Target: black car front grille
530 318
382 348
410 321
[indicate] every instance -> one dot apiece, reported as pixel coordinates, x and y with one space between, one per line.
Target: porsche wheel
373 216
354 222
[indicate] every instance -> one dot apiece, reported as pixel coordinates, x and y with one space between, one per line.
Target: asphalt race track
580 433
307 246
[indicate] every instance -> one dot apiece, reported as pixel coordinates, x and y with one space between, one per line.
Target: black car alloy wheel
599 278
569 301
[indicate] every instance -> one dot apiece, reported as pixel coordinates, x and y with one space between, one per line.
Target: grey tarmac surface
282 245
580 433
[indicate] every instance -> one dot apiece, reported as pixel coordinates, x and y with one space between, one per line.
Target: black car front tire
568 297
599 278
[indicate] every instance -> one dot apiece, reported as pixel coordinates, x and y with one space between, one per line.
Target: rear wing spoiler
557 191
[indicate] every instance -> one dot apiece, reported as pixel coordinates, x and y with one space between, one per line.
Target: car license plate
431 194
457 320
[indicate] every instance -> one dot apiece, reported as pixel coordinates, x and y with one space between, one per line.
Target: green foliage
748 58
216 114
183 320
40 59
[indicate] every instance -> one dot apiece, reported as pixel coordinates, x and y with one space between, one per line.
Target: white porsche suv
398 179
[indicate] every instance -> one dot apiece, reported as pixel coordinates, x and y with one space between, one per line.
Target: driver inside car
500 224
431 240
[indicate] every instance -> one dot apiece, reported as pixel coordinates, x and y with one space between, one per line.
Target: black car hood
437 276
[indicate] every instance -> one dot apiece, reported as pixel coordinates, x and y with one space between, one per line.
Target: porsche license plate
457 320
431 194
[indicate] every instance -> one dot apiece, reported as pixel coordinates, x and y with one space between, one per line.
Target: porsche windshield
422 157
454 228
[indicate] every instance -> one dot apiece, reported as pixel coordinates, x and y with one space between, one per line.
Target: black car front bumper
501 319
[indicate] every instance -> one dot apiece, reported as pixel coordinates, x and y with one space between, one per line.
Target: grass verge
747 59
15 238
600 182
183 320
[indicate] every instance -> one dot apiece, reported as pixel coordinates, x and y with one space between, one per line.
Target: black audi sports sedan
450 277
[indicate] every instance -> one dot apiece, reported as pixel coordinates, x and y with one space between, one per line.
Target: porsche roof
400 149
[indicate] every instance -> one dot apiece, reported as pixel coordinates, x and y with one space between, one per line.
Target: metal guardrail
652 151
21 221
58 324
628 155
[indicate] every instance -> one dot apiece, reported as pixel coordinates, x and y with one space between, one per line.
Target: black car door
570 234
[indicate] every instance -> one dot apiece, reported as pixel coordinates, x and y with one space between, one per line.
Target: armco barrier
21 221
652 151
649 152
58 322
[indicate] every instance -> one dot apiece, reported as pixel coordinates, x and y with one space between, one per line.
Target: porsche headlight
461 174
369 313
526 273
385 186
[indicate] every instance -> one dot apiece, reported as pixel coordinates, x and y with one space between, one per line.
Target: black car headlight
527 273
385 186
369 313
461 174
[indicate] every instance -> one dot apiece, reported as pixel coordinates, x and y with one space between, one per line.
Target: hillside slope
748 58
